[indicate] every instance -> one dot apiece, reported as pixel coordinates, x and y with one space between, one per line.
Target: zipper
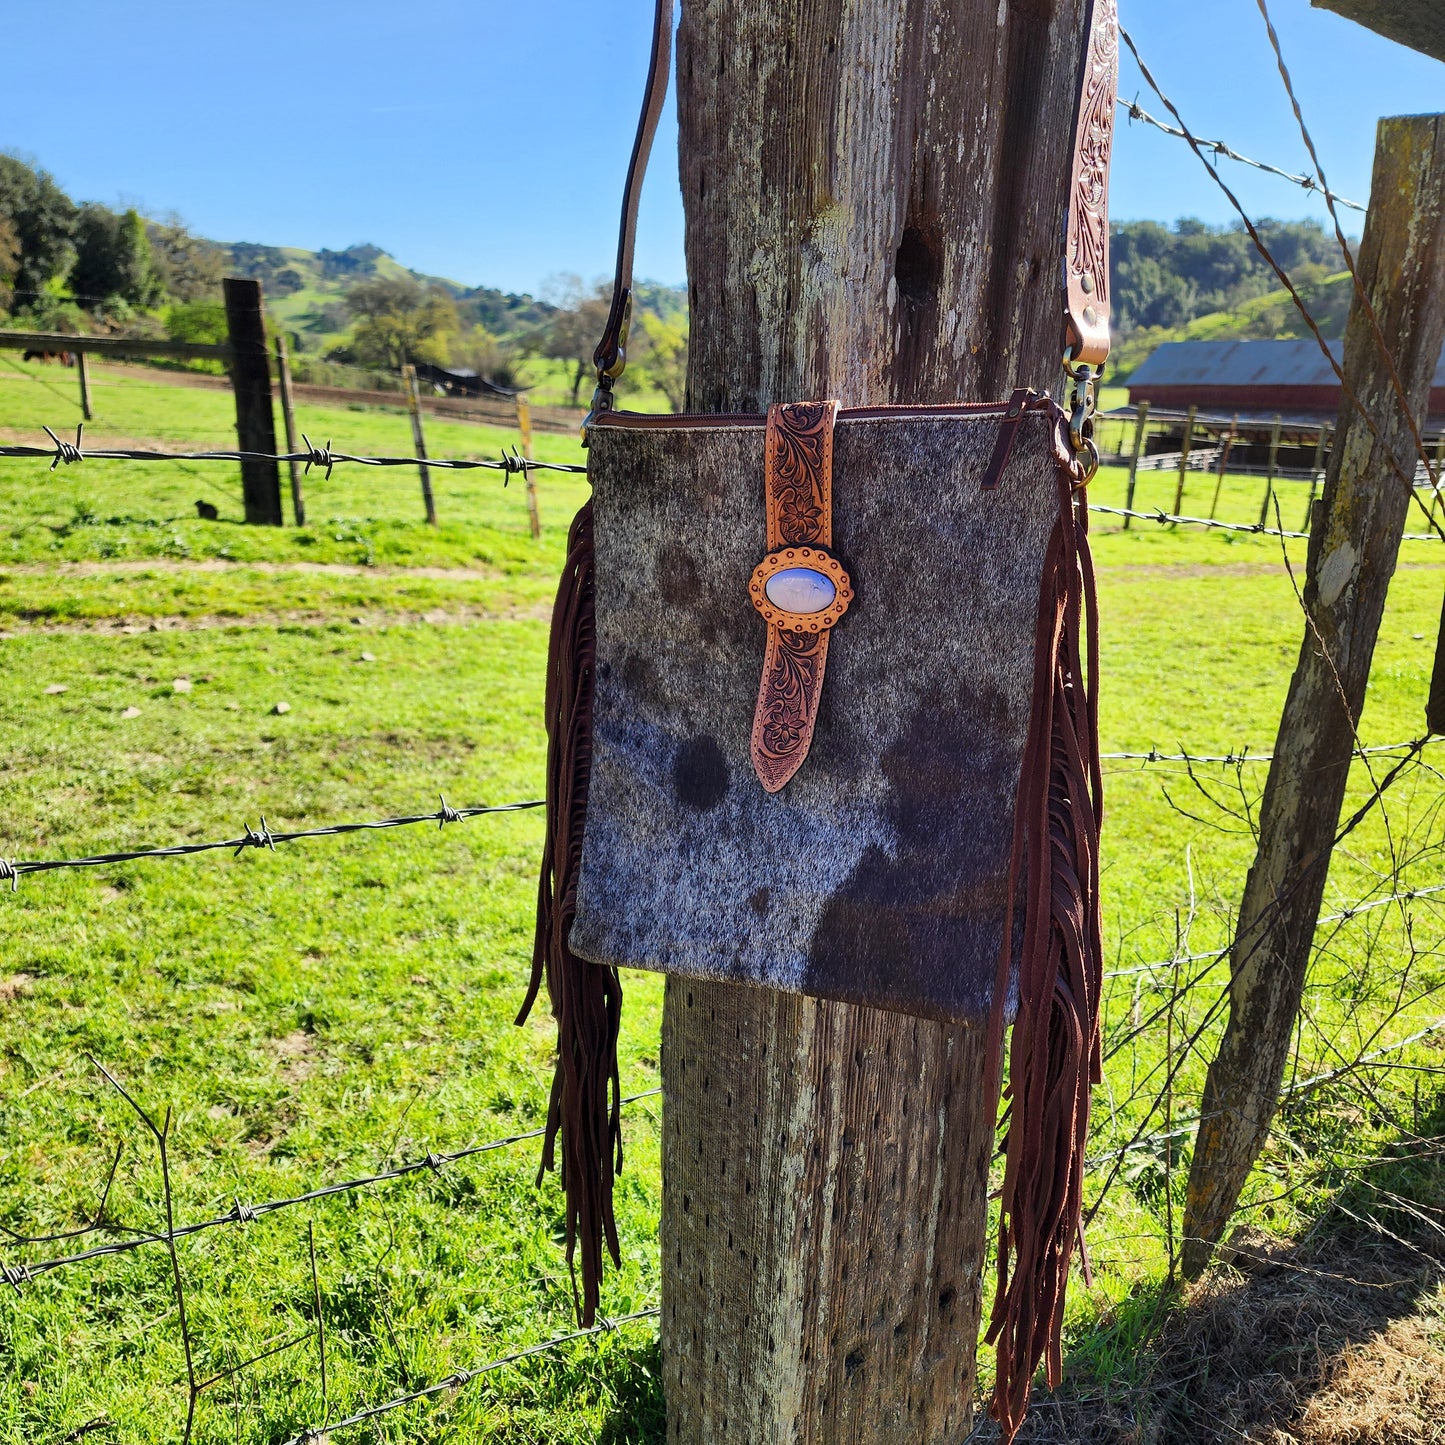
645 421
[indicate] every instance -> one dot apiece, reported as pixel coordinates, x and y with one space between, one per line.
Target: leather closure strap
800 588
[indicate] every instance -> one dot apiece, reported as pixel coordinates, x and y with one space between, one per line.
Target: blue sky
486 141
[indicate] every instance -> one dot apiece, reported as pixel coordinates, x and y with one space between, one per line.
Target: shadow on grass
1337 1339
638 1416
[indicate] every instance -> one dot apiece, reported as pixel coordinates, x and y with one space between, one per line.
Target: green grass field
345 1003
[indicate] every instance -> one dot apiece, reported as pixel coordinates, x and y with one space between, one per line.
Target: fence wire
264 837
317 1434
21 1273
66 453
1172 519
1305 182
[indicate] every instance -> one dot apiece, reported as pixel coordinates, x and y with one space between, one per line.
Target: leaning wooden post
1224 452
1185 446
524 425
84 372
1316 467
825 1165
251 382
418 437
1271 471
1141 428
1351 557
288 419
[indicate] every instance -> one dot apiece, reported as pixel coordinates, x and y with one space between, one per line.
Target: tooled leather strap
1086 272
1086 247
799 588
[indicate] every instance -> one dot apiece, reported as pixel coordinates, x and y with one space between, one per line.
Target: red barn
1252 378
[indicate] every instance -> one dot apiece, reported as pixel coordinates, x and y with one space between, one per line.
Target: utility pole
874 199
1352 553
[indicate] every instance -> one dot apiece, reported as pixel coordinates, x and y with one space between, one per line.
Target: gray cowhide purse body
806 739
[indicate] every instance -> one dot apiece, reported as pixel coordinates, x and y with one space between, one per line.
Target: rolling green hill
1269 317
306 290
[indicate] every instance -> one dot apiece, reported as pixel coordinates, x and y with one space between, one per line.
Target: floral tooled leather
799 486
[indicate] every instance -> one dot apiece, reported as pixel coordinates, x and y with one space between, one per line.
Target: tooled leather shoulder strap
1086 277
1086 242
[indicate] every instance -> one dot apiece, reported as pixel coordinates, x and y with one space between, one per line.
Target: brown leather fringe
584 1111
1054 1055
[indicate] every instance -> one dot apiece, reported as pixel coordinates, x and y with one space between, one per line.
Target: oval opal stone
801 589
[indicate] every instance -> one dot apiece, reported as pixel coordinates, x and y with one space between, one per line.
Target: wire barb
318 456
1305 183
15 1275
67 452
263 839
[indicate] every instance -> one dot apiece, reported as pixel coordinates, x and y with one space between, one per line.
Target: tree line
83 266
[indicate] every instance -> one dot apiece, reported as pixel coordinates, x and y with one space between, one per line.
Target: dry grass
1336 1341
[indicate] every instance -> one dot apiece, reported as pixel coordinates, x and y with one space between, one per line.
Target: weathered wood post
84 371
1185 446
251 381
288 420
1224 452
874 199
1141 429
524 426
418 438
1316 467
1271 471
1351 558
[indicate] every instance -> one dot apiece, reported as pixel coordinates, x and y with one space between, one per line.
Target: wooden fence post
1351 557
251 382
84 370
1316 467
288 419
1185 446
1141 429
1270 471
825 1165
1224 452
418 437
524 425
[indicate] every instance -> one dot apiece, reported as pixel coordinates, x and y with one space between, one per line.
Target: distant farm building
1257 379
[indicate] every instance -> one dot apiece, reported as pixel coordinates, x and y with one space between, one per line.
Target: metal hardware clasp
1083 402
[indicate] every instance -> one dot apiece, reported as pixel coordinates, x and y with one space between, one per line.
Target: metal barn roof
1243 363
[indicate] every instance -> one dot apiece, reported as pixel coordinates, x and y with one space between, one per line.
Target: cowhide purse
805 739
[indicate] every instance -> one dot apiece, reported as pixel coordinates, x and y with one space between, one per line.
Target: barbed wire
316 1435
1304 182
21 1273
1187 1125
1245 756
66 453
1172 519
1343 916
264 837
